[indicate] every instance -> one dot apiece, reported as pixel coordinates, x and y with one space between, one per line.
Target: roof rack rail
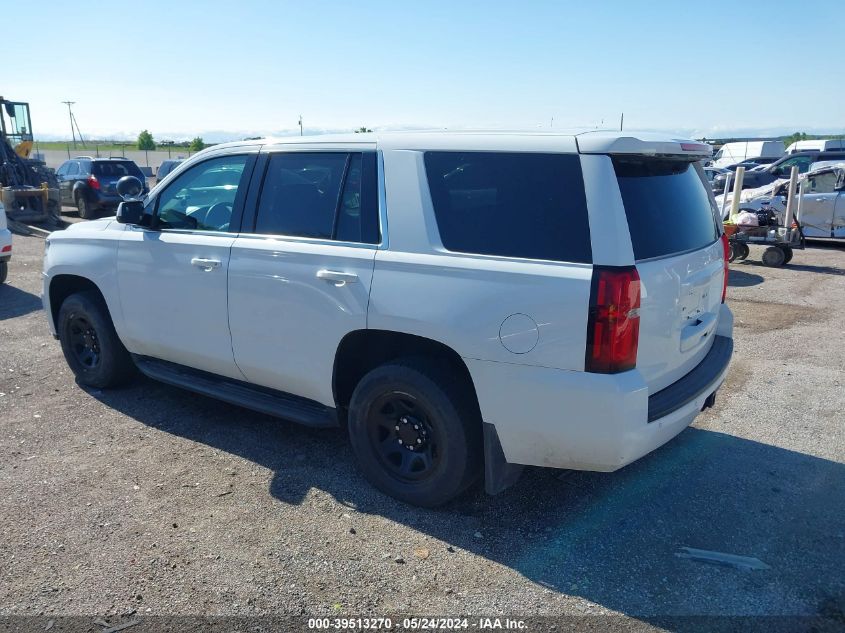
88 157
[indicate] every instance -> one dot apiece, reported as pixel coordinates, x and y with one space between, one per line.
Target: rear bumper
567 419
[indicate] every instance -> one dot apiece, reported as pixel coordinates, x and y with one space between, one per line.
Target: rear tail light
613 328
93 182
725 252
6 249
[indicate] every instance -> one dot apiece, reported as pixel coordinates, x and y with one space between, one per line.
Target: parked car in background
818 145
748 165
462 304
712 172
779 169
823 203
5 245
89 183
736 152
166 167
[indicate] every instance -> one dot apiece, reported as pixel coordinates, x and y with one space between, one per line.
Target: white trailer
736 152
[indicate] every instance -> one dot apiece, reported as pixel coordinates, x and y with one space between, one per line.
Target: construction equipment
28 189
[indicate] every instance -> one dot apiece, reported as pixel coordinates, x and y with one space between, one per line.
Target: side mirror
129 187
130 211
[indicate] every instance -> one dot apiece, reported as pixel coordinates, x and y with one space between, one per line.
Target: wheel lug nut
419 441
416 427
397 427
400 440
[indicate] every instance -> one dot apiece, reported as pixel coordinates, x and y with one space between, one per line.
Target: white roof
569 141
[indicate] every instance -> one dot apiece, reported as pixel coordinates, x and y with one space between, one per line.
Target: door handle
336 277
206 264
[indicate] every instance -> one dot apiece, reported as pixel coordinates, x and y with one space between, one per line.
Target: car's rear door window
510 204
322 195
667 204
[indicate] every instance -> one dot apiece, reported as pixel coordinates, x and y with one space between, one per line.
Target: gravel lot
157 501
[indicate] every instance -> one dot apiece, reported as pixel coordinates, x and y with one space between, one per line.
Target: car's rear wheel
84 208
90 344
787 252
415 433
4 271
741 250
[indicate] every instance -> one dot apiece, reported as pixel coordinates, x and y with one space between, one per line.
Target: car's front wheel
90 344
415 432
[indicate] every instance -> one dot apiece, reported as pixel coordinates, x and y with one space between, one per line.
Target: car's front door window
203 197
822 183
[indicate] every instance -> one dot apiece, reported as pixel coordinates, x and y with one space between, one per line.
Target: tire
4 271
787 252
84 208
773 256
732 251
415 432
90 344
742 251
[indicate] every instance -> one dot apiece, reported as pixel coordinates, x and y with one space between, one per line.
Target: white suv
464 303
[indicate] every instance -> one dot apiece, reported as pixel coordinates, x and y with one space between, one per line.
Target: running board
242 394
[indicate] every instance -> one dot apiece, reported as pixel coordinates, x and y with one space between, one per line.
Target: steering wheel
218 215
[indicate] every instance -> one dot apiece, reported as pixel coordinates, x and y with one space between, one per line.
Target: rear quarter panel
463 300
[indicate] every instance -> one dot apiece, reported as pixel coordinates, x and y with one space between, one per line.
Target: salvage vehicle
462 303
5 245
779 169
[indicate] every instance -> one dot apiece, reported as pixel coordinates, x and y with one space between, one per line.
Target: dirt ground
149 500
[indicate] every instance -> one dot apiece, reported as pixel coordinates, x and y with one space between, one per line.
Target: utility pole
300 125
70 116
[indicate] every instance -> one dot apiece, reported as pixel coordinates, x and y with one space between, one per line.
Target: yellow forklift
28 189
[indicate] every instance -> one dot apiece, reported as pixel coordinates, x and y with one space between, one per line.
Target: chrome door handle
206 264
336 277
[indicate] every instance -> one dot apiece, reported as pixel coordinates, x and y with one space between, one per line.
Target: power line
70 116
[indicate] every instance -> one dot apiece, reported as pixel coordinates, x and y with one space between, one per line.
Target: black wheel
731 251
787 252
773 256
90 345
4 271
742 250
84 208
415 432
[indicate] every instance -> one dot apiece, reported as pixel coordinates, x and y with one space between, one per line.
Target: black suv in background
778 169
89 183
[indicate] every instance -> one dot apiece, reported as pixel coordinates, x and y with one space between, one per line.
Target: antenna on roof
622 122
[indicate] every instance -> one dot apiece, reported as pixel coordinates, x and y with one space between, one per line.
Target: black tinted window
319 194
667 204
117 169
510 204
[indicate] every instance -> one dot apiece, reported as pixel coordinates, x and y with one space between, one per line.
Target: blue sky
242 67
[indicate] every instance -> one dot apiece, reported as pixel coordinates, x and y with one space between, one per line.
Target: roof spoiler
605 144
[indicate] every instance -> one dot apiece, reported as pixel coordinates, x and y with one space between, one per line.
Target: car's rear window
523 205
116 169
667 204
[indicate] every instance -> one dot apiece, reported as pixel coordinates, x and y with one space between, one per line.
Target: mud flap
499 475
